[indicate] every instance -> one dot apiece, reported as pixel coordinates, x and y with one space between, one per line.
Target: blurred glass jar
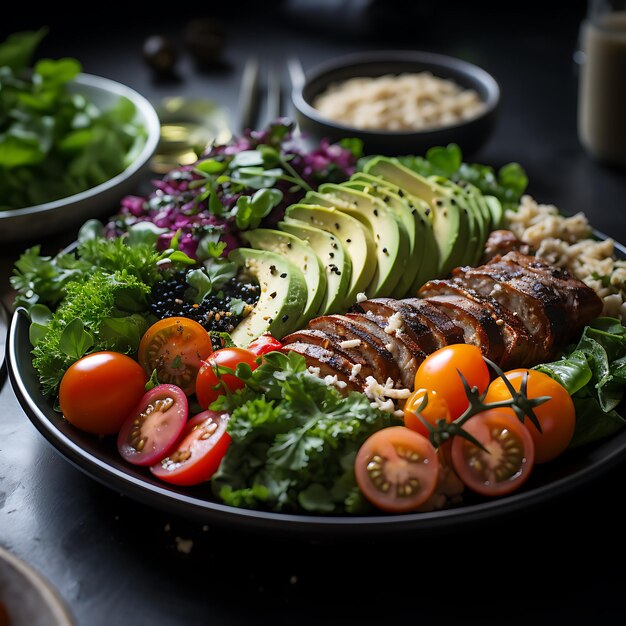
602 88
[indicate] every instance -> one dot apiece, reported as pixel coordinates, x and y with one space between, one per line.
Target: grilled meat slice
581 302
405 352
412 323
355 354
518 350
371 348
519 295
442 329
500 242
479 328
329 363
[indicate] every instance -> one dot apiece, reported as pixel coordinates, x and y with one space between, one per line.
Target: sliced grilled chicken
580 302
405 352
444 330
349 349
529 300
479 328
518 350
372 350
329 363
412 322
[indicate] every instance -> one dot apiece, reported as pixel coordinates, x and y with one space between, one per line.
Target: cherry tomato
209 386
557 416
98 391
175 347
509 460
154 426
436 409
397 469
438 371
199 451
264 344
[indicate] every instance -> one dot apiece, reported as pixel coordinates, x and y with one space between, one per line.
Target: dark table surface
116 561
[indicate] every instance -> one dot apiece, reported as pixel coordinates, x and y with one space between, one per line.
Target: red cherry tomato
199 451
175 347
438 371
210 385
436 409
509 458
152 429
557 416
264 344
98 391
397 469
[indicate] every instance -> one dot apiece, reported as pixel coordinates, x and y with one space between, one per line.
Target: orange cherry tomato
438 371
209 386
397 469
509 458
436 409
176 348
99 391
557 416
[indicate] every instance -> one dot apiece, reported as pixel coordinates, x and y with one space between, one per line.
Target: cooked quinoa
568 242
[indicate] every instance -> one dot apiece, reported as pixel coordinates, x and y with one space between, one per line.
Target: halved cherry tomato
436 409
99 390
210 385
438 371
153 428
397 469
557 416
199 451
264 344
509 458
175 347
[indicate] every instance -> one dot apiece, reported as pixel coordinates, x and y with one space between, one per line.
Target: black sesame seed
289 245
376 212
348 240
332 255
272 269
414 211
283 275
273 295
385 251
336 225
284 318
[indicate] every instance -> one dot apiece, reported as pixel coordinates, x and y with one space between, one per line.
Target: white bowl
102 200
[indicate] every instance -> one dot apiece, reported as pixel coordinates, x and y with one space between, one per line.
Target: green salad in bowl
70 143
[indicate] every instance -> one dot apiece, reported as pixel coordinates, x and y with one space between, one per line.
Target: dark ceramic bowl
470 135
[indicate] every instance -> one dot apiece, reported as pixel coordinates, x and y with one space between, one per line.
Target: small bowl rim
435 59
153 127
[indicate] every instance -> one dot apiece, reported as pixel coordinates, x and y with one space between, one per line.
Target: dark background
116 561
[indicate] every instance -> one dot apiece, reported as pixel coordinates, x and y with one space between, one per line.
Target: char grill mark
356 354
518 349
519 296
329 363
372 349
479 328
405 353
412 324
444 331
580 302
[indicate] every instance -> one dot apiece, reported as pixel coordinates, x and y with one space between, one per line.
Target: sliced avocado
332 256
425 237
471 211
450 223
355 238
497 211
390 237
410 222
302 255
283 295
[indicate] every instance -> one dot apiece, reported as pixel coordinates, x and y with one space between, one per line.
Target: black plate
4 330
100 460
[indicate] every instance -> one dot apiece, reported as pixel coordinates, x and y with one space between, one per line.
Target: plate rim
175 501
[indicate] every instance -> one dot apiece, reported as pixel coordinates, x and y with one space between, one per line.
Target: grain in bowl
402 102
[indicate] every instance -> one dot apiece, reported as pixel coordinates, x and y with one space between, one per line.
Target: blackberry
169 299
